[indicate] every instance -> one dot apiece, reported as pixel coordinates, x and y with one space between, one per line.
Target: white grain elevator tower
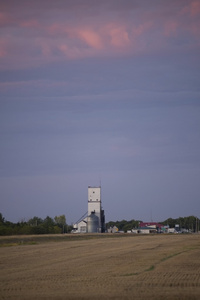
95 209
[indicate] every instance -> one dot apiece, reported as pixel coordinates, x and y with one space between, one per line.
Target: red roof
147 224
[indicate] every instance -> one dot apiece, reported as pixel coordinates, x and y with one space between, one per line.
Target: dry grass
131 267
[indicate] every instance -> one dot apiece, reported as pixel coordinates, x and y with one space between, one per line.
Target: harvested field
90 267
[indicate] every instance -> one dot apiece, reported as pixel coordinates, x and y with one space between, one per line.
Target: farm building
158 226
94 220
144 230
148 227
153 227
113 229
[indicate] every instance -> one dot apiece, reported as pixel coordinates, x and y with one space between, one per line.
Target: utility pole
196 225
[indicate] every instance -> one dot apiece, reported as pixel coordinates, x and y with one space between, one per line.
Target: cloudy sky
100 92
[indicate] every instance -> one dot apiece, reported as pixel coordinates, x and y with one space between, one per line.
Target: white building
95 220
94 203
81 226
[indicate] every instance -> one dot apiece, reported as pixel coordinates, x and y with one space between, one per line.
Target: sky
100 93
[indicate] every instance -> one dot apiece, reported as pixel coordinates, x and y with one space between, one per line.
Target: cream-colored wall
94 202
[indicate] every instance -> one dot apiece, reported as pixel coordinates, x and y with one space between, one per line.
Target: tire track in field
164 259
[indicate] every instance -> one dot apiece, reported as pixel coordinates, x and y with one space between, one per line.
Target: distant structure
94 220
156 225
149 227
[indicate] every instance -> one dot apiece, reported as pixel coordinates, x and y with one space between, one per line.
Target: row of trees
189 223
35 226
58 225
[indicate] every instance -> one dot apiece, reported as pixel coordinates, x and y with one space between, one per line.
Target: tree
189 223
35 221
48 225
2 219
61 221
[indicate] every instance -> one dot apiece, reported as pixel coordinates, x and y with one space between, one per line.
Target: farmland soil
128 267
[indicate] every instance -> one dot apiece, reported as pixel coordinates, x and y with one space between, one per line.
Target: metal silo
92 223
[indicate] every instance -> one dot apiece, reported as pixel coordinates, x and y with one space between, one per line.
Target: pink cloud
105 39
98 40
70 52
30 24
195 8
192 9
3 18
91 38
6 19
170 28
119 36
142 28
189 19
53 28
56 35
73 35
2 49
45 48
195 30
2 52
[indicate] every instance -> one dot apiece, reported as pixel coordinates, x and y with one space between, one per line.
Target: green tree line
35 226
190 223
57 225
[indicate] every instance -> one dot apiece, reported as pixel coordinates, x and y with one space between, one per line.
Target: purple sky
100 91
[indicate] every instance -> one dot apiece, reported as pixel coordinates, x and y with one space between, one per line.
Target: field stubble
131 267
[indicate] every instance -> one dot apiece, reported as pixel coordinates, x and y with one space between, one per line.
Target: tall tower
94 205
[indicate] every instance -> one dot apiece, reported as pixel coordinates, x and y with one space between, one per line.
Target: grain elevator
94 220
